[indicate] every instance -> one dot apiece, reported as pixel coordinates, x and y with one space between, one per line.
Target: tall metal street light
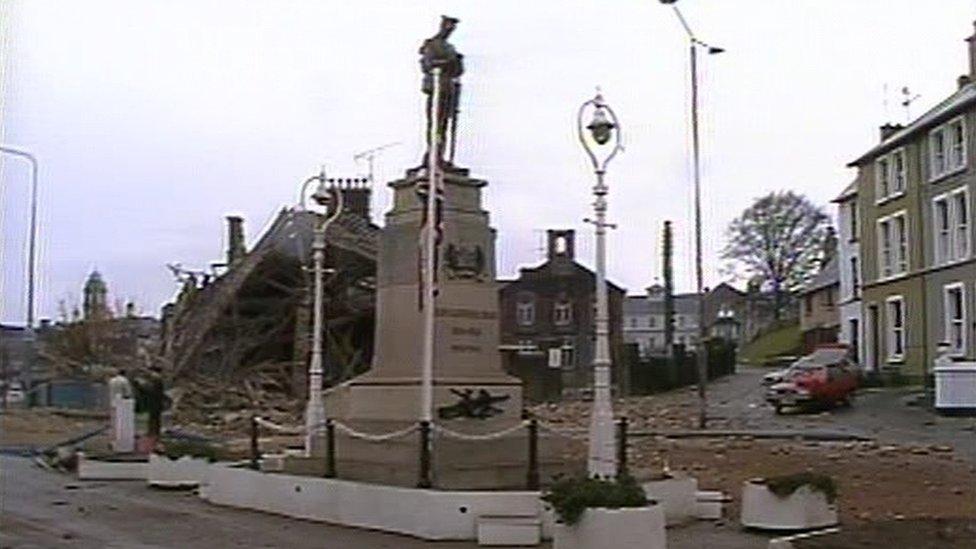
702 355
331 199
602 129
32 236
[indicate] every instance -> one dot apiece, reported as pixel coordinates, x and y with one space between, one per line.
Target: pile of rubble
224 408
675 410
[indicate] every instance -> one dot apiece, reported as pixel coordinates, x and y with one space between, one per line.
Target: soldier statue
437 52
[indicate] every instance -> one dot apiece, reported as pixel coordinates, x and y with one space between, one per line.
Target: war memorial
471 394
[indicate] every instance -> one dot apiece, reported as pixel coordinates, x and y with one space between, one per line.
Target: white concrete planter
185 472
676 495
107 469
426 514
804 509
626 528
955 386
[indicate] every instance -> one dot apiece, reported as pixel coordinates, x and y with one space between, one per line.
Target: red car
823 379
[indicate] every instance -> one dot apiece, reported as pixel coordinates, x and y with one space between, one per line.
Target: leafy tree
780 240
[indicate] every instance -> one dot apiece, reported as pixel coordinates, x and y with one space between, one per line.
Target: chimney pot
235 239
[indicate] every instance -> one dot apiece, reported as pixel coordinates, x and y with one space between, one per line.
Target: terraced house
915 235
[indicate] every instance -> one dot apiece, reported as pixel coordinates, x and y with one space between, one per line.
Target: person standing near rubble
122 410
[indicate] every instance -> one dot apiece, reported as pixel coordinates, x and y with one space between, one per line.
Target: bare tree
780 240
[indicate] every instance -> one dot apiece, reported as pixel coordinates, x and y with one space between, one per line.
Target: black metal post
255 452
622 446
424 481
330 461
532 478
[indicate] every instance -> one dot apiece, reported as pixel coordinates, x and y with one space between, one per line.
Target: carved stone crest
465 262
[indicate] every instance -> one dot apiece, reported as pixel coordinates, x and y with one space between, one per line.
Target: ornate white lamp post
331 199
595 136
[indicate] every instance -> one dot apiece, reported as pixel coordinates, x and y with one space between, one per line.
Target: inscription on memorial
452 312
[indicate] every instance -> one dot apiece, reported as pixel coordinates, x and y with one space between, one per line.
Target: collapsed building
247 320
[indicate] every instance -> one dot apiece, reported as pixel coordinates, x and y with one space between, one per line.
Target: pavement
43 509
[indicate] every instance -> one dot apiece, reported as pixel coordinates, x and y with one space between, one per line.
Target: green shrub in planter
784 486
570 497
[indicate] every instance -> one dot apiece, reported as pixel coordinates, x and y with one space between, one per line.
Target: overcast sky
154 120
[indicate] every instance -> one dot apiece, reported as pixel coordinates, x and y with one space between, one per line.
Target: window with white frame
947 148
891 175
950 216
898 174
895 306
960 218
901 234
882 176
525 312
562 313
567 354
893 245
853 220
943 231
855 278
954 311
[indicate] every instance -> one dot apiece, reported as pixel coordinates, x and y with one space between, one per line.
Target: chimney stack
562 244
235 239
356 192
888 129
829 247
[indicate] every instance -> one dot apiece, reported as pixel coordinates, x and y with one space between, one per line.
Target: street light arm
24 154
32 237
684 23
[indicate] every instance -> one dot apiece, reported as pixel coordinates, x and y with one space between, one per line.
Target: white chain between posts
576 434
481 437
381 437
373 437
279 428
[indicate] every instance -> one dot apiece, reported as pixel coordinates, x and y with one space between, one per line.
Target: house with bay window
910 264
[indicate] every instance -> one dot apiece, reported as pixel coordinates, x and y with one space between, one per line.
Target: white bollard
123 424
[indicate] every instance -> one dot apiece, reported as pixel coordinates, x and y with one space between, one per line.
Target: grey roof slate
829 275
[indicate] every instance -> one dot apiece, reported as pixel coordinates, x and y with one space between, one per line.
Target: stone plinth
467 362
